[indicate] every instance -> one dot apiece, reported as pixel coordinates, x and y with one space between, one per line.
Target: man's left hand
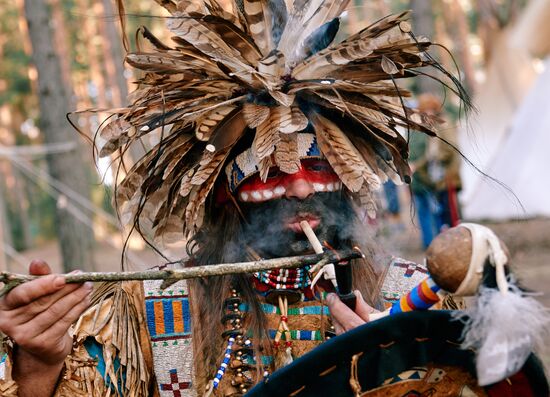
345 319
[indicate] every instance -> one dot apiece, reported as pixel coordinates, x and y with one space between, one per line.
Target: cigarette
328 270
310 234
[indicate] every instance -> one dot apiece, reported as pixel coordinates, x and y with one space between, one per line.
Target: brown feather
292 120
255 114
209 121
210 44
116 133
260 23
286 154
208 164
303 21
340 152
228 131
267 135
234 37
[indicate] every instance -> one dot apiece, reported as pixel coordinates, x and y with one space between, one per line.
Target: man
255 135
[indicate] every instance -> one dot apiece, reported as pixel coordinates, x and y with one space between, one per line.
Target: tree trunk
4 229
76 239
423 25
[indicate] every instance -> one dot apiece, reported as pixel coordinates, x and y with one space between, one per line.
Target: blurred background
60 56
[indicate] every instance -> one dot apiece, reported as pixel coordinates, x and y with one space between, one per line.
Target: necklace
285 278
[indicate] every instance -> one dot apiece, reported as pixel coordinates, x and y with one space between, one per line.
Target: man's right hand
37 316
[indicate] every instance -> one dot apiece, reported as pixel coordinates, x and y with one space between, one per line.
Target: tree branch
12 280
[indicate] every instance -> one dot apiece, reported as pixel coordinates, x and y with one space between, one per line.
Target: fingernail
59 282
89 285
331 297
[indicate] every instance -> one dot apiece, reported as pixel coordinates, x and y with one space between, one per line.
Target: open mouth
293 224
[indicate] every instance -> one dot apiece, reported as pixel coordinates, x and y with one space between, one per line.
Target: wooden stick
12 280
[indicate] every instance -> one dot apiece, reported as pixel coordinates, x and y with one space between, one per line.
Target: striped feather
306 19
286 154
234 37
209 121
194 212
208 164
228 131
292 120
262 19
115 134
210 44
255 114
267 135
340 152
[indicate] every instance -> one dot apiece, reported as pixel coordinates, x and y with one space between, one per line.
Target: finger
60 328
25 313
343 314
362 308
338 328
39 268
27 292
58 310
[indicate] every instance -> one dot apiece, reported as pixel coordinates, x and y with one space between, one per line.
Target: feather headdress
266 70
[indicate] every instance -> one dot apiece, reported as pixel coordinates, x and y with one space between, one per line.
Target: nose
299 188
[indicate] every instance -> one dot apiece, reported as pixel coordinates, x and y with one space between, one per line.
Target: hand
37 315
345 319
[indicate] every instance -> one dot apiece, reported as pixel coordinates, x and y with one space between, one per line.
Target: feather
235 18
292 119
209 121
331 58
272 66
282 98
234 37
255 114
228 131
353 49
367 201
147 34
267 135
194 212
286 154
264 19
115 134
168 5
340 152
210 44
191 6
208 164
185 183
320 39
163 63
306 19
177 156
263 167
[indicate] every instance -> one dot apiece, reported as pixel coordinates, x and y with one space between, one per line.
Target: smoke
266 230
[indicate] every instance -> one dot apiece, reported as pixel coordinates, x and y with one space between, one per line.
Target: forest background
60 56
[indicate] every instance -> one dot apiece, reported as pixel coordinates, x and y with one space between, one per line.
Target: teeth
256 195
319 187
337 185
244 196
279 190
268 194
330 187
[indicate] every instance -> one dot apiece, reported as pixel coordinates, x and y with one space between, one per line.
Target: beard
267 230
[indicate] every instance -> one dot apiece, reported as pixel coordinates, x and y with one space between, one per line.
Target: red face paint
317 173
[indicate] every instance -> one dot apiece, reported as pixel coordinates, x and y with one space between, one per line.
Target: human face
275 208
